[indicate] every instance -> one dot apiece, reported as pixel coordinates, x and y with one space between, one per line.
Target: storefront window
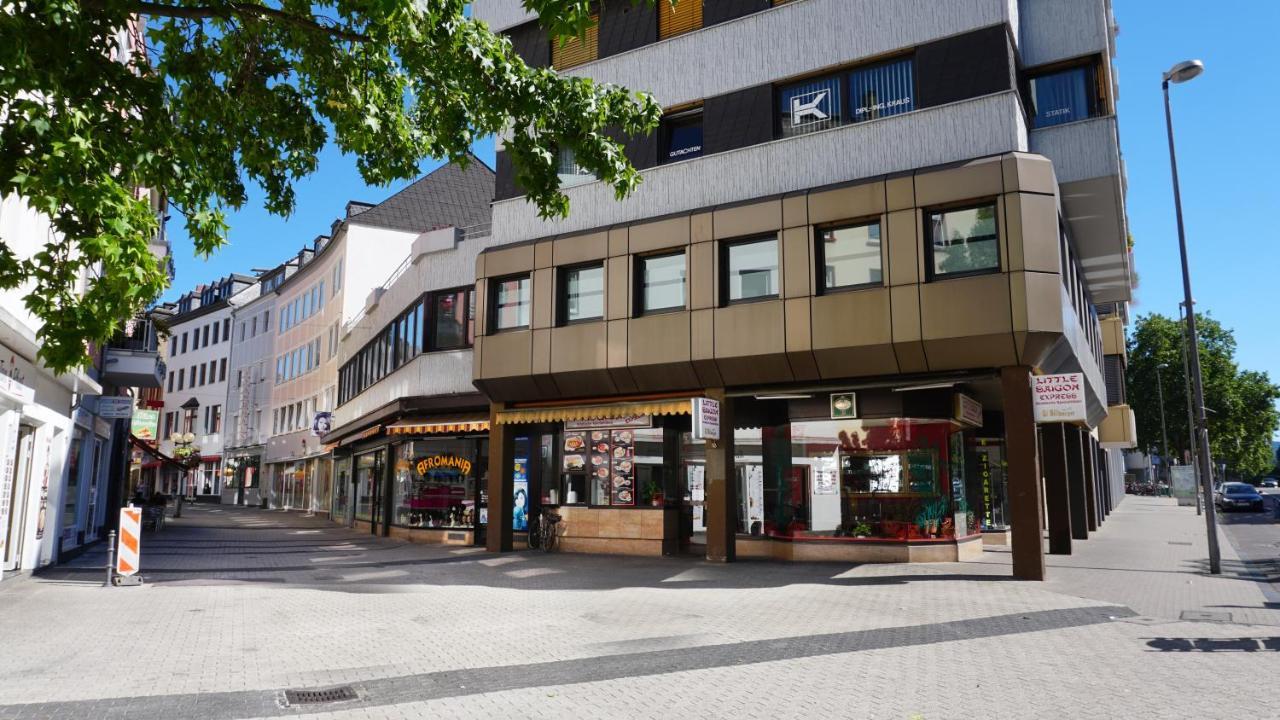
368 473
72 496
963 241
435 484
750 269
511 301
581 293
661 282
850 256
341 488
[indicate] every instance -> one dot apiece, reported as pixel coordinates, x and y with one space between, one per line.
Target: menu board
609 457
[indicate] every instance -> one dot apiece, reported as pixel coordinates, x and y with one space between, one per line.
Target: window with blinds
574 51
685 17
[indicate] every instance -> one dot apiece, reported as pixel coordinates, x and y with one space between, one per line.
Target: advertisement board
706 419
1059 398
145 424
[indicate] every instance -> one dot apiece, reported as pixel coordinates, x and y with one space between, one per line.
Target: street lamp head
1163 366
1184 71
189 438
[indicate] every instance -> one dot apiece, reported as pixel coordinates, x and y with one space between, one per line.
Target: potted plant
653 493
861 530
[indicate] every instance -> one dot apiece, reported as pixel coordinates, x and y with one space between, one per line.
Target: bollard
111 549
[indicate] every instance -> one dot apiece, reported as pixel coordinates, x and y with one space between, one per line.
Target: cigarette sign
1059 398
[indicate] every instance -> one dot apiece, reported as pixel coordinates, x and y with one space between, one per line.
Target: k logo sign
810 107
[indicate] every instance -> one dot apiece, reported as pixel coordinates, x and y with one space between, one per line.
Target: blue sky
1227 150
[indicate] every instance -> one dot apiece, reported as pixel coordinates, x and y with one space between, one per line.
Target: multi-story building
410 430
853 255
195 386
249 382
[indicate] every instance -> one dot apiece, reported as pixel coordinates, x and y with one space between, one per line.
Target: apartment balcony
132 357
1086 160
1119 429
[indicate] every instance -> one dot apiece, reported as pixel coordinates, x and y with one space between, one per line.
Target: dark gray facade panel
532 44
718 11
506 187
641 150
737 119
624 26
964 66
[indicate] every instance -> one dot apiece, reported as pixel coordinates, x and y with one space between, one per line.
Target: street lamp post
1191 420
1180 73
1164 432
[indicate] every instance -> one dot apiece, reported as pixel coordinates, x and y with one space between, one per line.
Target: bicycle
542 531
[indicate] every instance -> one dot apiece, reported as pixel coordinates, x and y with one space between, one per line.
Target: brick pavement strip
474 681
242 604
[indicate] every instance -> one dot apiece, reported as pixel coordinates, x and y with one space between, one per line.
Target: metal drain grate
1179 542
315 697
1206 616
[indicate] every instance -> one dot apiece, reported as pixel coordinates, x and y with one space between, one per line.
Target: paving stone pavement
240 605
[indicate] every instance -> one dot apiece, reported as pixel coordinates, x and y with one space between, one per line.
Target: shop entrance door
17 500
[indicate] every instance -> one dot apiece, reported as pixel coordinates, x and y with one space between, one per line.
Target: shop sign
145 424
626 421
844 406
115 407
16 390
1059 398
322 424
427 464
706 419
968 410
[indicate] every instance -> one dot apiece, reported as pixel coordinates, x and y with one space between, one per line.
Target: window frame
494 284
820 255
427 327
562 293
1098 97
679 118
931 274
640 309
724 250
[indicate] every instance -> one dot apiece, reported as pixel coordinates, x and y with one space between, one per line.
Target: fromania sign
427 464
1059 398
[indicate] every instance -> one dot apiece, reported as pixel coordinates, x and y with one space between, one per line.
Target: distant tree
1242 414
232 93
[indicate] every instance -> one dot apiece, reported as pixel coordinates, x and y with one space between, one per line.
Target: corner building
864 227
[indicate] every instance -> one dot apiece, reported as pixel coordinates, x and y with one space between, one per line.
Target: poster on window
623 459
520 495
575 450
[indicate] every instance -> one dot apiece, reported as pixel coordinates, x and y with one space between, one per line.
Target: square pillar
1092 517
1104 464
721 486
501 485
1023 461
1057 495
1076 482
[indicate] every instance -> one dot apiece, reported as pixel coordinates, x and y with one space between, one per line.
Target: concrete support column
1076 482
1093 518
501 485
1057 493
1023 460
1099 482
721 486
1104 462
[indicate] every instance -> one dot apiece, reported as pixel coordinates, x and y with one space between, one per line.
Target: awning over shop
680 406
435 426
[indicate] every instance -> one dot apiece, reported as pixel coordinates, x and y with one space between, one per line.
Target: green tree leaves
232 93
1242 414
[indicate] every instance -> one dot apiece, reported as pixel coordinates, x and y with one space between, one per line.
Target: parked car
1269 483
1237 496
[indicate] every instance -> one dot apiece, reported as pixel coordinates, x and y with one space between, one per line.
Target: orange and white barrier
129 546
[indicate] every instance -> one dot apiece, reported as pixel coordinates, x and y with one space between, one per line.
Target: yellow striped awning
680 406
436 427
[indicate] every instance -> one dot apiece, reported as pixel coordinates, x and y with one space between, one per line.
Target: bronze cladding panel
509 260
616 355
745 220
541 352
846 203
799 331
797 263
1031 223
666 234
795 211
660 339
902 236
702 276
482 312
905 307
702 334
852 319
617 287
1029 173
576 249
544 286
966 307
749 329
900 193
969 181
579 347
617 241
701 227
507 354
543 254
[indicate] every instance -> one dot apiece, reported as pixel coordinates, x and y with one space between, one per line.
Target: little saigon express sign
427 464
1059 398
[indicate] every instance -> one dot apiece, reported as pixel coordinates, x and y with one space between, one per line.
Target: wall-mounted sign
968 410
115 407
706 419
427 464
1059 398
626 421
145 424
810 107
844 406
321 424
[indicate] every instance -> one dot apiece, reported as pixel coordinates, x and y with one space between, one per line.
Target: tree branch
241 9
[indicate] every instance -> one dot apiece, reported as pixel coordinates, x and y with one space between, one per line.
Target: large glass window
512 298
661 282
452 319
849 256
435 484
581 293
368 475
810 105
569 171
820 103
750 269
963 241
1063 96
681 136
881 90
